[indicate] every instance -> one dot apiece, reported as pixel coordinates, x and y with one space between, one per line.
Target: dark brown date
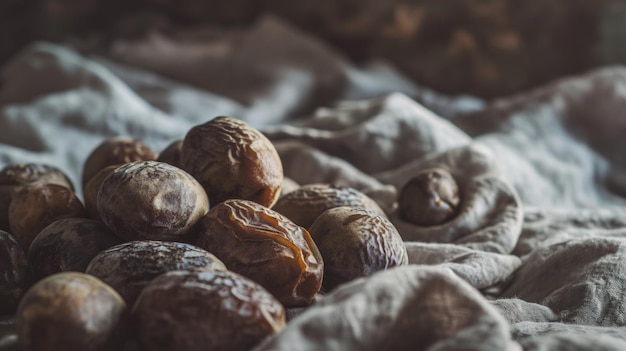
218 311
430 198
129 267
266 247
231 159
115 151
356 243
171 154
68 245
90 191
15 177
149 200
35 207
71 311
306 203
13 273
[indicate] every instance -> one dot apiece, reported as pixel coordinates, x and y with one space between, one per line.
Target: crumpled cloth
532 261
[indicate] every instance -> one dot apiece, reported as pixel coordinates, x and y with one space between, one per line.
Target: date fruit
116 151
35 207
171 154
90 191
151 200
68 245
266 247
71 311
306 203
13 273
129 267
430 198
355 243
15 177
217 311
231 159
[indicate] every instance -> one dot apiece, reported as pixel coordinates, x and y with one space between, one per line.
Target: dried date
15 177
115 151
218 311
149 200
171 154
71 311
35 207
356 243
231 159
306 203
430 198
129 267
266 247
68 245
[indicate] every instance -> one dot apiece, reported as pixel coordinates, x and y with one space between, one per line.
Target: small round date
233 160
356 243
71 311
35 207
129 267
13 273
149 200
68 245
266 247
306 203
218 311
115 151
430 198
15 177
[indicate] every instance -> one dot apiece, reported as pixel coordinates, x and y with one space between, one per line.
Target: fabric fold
404 308
490 214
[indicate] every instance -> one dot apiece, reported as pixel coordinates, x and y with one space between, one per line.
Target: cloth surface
532 261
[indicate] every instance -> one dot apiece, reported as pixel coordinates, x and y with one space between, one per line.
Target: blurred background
486 48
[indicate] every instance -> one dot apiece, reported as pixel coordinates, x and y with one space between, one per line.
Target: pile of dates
192 248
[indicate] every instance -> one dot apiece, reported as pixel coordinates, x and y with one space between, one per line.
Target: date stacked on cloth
356 242
129 267
230 291
306 203
115 151
151 200
71 311
431 197
219 310
265 246
68 245
231 159
16 177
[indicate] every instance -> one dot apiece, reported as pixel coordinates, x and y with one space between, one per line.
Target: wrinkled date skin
266 247
35 207
129 267
13 274
217 311
115 151
430 198
171 154
71 311
306 203
68 245
356 243
14 178
151 200
232 160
